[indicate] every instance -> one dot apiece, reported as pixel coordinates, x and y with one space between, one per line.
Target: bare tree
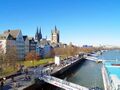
66 51
11 56
32 56
1 61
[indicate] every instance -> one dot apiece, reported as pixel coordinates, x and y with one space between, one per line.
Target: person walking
14 85
12 78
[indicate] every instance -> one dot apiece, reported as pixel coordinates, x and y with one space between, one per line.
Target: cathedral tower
55 35
38 35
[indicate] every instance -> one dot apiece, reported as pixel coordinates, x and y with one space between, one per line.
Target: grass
10 70
37 63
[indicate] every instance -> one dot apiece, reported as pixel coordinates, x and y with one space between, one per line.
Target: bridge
62 83
91 58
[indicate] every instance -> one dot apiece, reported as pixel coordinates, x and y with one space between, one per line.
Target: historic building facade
26 41
25 44
38 35
55 36
32 44
14 38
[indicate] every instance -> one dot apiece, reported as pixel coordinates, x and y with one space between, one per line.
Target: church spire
40 34
55 28
36 35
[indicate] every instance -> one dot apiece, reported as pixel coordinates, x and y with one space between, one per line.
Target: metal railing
62 83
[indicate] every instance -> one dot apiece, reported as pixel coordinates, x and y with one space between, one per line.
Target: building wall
55 37
26 46
20 46
6 44
40 51
10 44
32 45
47 50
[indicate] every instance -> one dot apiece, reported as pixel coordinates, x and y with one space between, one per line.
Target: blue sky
79 21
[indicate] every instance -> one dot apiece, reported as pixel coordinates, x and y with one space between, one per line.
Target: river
89 74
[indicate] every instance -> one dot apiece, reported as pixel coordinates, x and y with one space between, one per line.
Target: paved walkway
22 82
19 82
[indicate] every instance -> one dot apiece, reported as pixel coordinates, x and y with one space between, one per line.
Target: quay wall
68 68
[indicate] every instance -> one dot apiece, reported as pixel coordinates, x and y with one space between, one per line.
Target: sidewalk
19 83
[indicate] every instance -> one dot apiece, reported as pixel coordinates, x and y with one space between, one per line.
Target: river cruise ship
111 75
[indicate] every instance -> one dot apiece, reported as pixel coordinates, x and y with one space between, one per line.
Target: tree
52 53
66 51
32 55
1 60
11 56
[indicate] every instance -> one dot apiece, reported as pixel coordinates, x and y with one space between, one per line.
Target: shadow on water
72 71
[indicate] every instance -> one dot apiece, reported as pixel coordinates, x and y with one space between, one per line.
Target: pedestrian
14 85
26 77
26 71
12 79
29 78
4 79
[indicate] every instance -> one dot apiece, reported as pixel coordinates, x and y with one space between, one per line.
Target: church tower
38 35
55 36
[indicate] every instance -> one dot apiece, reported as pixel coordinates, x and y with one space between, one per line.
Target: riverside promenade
23 81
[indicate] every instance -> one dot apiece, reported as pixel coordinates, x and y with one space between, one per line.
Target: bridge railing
72 85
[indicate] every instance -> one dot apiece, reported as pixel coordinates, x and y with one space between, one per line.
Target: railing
93 59
106 80
62 84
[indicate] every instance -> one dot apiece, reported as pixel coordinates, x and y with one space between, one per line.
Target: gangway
93 59
62 83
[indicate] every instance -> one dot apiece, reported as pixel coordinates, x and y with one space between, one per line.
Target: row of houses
25 44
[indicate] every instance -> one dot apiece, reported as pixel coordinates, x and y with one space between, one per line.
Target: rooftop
14 33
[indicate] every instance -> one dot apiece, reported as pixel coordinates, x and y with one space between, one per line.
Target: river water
89 73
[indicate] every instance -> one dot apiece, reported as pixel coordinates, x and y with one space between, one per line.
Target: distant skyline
92 22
